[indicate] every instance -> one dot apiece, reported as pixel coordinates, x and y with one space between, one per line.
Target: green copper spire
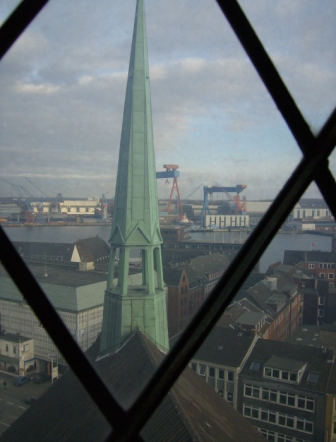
141 302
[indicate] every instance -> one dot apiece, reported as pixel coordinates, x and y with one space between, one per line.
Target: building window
313 377
321 300
255 366
284 398
7 347
330 276
320 313
275 417
14 349
229 397
322 275
280 374
194 366
202 369
311 266
212 372
230 376
331 285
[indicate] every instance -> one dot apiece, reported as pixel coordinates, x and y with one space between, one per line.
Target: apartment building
220 360
283 390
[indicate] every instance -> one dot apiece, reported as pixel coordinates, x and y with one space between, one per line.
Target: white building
16 353
82 207
78 298
226 221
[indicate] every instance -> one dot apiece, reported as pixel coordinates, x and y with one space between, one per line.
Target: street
12 398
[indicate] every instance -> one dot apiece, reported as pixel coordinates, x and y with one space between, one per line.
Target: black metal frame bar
314 166
17 22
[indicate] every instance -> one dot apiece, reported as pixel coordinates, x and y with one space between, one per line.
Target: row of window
322 266
212 372
284 375
278 437
14 348
275 417
311 213
290 400
326 266
48 257
330 275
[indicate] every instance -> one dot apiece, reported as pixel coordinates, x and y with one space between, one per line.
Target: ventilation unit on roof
270 283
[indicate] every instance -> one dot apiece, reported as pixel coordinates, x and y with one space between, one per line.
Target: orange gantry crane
172 172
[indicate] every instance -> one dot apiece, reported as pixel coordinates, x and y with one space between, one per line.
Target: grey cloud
63 87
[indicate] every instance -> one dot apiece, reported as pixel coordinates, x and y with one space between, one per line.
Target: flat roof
250 318
11 337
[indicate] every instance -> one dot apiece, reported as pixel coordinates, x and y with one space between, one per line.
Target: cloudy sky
63 85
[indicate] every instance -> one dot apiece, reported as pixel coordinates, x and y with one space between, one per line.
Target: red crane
172 172
239 204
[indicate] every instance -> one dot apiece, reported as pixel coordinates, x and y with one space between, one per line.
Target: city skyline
62 108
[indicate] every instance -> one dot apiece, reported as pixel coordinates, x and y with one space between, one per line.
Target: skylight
255 366
313 377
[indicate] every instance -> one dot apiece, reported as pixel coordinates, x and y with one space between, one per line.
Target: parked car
30 400
41 378
11 369
20 380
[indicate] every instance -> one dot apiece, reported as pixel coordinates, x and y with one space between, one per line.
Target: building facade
17 353
77 297
220 360
226 221
189 284
282 390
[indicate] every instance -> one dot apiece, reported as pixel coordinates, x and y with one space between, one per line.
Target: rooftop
67 289
13 337
284 363
292 257
67 277
251 318
192 411
290 355
225 346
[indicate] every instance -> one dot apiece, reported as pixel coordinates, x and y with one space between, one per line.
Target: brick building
189 284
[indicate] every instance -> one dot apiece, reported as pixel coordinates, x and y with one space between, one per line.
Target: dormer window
285 370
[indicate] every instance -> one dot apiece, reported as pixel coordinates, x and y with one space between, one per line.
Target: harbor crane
56 206
239 205
191 193
172 172
36 187
105 205
26 205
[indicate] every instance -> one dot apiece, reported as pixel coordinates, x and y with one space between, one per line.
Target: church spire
140 303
